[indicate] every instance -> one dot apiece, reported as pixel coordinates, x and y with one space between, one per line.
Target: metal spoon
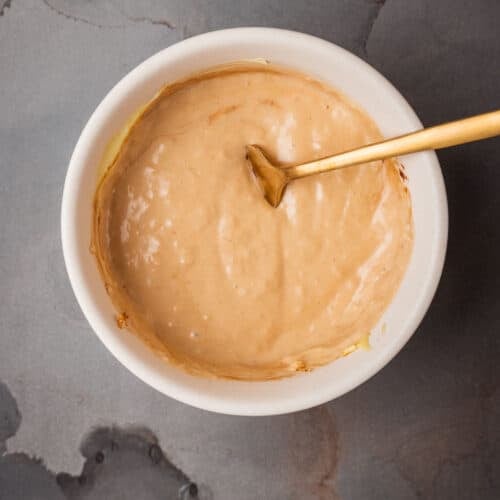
273 179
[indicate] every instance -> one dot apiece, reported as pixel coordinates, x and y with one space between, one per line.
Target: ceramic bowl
365 86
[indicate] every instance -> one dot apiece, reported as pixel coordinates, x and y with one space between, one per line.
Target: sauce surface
205 271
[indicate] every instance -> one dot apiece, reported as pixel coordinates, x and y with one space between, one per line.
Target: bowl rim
141 369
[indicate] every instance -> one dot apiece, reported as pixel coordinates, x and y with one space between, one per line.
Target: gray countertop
427 426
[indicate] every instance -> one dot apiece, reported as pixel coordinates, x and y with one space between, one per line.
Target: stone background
75 424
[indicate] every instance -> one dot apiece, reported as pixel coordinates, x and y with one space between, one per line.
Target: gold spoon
273 179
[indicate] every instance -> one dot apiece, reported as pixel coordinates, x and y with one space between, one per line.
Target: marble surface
427 426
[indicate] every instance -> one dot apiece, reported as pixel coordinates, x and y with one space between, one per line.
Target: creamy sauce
205 271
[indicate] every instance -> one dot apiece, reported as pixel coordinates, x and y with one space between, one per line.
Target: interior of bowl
364 86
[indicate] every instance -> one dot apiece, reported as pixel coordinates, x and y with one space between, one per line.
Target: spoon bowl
271 179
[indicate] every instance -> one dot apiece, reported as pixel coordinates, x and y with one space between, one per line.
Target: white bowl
363 85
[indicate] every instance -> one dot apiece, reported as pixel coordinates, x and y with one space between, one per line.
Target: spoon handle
470 129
